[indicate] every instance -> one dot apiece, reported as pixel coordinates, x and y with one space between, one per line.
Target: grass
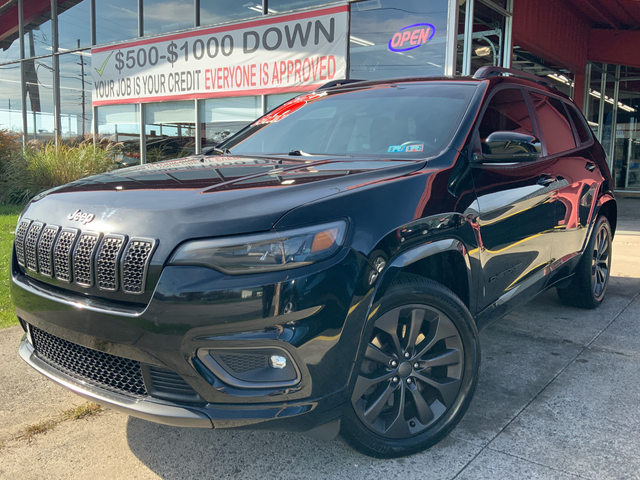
8 220
76 413
82 411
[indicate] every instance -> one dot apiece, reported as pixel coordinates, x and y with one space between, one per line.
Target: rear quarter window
578 122
554 123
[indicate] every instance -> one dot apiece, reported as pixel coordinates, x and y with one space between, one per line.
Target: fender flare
392 270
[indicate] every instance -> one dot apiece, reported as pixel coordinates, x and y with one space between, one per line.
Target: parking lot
558 397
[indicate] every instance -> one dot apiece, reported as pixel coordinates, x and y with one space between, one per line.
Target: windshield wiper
219 151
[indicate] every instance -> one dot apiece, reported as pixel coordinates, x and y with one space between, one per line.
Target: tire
591 277
403 405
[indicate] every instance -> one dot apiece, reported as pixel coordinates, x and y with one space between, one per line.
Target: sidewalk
558 397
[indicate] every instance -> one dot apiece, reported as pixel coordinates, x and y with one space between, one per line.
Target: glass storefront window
120 124
277 6
74 27
39 84
488 37
75 94
11 53
37 37
116 20
170 130
219 11
222 117
10 98
161 16
387 41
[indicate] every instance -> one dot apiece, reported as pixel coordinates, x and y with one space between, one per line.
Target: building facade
167 78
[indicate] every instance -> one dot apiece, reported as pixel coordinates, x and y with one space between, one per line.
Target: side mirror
510 147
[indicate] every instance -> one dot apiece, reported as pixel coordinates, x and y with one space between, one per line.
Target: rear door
567 142
515 215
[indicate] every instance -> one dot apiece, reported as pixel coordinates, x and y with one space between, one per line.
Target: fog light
276 361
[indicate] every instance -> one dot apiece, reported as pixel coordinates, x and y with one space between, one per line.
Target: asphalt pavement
558 397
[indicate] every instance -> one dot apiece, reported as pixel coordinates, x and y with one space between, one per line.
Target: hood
207 196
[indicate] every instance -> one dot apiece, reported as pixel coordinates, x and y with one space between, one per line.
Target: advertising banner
274 54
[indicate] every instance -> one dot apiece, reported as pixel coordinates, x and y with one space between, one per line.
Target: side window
506 130
554 122
578 121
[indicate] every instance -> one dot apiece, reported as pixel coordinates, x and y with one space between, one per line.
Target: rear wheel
591 278
418 373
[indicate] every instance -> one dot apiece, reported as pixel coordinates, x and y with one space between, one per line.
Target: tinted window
554 122
578 122
507 112
506 127
409 121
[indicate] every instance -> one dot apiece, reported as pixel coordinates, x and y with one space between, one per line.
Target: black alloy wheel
601 262
591 276
418 370
411 371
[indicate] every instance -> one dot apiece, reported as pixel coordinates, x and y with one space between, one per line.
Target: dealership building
171 77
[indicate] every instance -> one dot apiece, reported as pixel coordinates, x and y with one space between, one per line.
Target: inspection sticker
395 148
415 148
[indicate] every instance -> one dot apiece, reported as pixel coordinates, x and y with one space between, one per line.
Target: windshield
398 121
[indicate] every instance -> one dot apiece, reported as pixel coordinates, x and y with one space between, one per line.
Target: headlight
264 252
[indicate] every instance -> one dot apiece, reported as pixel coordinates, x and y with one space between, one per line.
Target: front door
515 204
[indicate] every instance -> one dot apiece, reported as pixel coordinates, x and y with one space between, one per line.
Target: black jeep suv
328 267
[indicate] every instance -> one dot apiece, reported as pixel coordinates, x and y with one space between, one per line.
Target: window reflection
75 94
170 130
116 20
374 25
74 26
120 125
219 11
222 117
10 98
37 39
9 49
161 16
276 6
39 84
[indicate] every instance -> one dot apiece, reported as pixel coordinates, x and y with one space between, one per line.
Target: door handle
546 180
590 166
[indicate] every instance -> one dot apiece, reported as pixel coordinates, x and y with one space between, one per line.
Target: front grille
134 269
70 255
45 250
62 254
107 262
114 373
244 363
21 233
83 259
168 385
30 243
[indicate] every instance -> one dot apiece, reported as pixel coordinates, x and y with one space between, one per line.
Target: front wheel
591 278
418 374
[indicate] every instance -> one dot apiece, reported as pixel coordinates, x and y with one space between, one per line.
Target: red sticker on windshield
288 108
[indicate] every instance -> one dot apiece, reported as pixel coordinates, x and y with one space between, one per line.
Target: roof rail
487 72
337 83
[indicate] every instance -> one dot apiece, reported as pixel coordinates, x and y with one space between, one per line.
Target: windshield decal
288 108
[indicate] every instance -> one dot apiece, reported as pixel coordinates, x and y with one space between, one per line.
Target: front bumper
158 412
194 308
210 416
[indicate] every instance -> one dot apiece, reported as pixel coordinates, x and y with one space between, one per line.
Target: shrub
39 167
9 144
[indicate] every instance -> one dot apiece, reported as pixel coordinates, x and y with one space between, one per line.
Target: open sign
411 37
